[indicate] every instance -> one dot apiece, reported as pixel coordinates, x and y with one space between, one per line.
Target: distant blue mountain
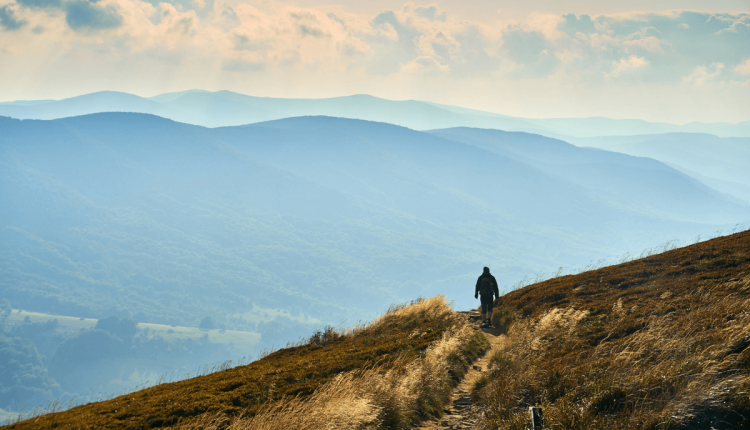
625 180
721 163
225 108
104 101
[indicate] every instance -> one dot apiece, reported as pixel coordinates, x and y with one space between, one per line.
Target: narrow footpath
461 413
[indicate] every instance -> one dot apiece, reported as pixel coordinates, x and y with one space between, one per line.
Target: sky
670 61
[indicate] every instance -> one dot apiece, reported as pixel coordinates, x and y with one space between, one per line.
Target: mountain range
723 163
322 217
225 108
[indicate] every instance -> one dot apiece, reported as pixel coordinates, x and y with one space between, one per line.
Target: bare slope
660 342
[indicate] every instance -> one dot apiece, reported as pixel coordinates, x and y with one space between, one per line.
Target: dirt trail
460 413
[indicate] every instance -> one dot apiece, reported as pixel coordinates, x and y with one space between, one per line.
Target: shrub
320 338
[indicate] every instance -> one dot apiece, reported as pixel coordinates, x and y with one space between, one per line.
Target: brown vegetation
660 342
394 371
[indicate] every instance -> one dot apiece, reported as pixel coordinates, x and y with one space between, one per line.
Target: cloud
524 46
393 42
56 4
568 56
308 25
203 8
546 24
572 24
579 47
531 50
626 65
648 40
229 17
243 42
743 68
440 44
242 66
704 74
424 65
650 44
178 25
82 15
431 13
598 41
8 19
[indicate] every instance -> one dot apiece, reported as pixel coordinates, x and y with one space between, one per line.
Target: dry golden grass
391 396
655 343
339 404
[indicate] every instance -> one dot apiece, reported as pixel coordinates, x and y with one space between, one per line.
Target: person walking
486 287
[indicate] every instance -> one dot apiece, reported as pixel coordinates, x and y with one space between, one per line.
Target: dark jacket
493 281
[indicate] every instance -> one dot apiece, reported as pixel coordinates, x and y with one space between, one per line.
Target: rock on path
461 413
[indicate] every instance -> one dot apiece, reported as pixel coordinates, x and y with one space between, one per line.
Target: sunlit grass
656 343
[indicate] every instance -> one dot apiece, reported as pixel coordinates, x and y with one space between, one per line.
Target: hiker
486 286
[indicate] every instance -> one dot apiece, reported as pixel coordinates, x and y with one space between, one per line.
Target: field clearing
73 325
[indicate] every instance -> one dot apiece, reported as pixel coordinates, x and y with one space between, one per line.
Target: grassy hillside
396 370
660 342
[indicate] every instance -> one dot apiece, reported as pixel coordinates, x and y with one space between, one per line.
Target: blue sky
683 61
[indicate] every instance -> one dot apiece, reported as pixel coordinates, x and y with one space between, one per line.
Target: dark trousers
486 303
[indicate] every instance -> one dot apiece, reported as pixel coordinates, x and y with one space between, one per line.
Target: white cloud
441 44
649 43
603 27
598 41
743 68
424 64
568 56
703 74
545 24
277 34
626 65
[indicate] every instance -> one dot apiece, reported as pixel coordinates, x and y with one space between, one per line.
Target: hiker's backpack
485 286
